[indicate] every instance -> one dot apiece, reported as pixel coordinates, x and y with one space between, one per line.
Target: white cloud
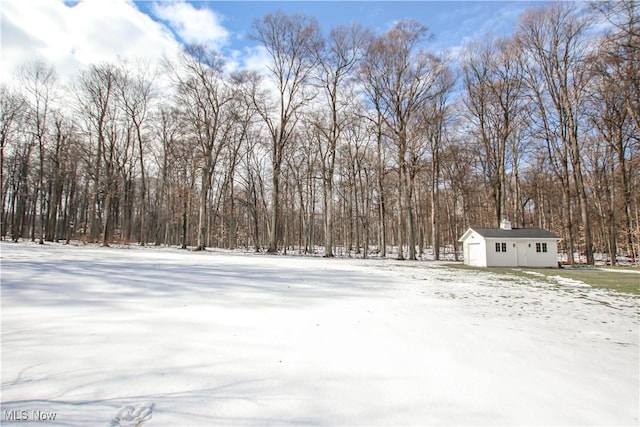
71 37
256 59
192 25
470 21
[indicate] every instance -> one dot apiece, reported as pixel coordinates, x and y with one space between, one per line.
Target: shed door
474 253
523 254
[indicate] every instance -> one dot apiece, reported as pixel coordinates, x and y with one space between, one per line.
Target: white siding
543 259
501 259
522 253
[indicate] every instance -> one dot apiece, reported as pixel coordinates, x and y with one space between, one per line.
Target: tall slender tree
556 51
38 80
616 92
136 93
95 95
292 43
399 76
493 84
12 109
204 94
343 49
431 132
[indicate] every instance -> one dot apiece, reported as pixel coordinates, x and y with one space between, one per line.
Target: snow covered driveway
220 338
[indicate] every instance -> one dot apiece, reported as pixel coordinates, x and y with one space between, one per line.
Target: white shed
510 247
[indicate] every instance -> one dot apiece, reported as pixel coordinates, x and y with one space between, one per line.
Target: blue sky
451 22
71 34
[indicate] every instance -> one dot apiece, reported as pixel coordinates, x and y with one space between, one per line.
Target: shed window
541 247
501 247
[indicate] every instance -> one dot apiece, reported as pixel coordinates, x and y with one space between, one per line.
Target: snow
533 273
96 334
569 282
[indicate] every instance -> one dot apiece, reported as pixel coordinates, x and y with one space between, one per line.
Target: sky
72 34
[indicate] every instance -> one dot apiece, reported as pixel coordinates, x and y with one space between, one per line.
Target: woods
349 143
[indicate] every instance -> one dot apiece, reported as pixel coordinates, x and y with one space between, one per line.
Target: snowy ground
221 338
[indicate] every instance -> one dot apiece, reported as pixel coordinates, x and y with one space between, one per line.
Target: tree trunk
106 229
568 222
411 239
92 220
435 225
185 207
401 207
143 197
202 211
381 208
628 201
328 215
275 196
583 201
3 225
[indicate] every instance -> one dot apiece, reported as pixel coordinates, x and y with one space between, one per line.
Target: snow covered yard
221 338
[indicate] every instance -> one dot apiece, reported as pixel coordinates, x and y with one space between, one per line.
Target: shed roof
516 233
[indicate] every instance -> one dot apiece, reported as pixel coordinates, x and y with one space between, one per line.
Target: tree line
349 143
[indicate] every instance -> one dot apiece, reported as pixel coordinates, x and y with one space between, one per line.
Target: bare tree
616 94
166 129
399 77
204 95
94 90
343 141
12 109
118 159
343 49
242 114
377 128
251 155
291 43
431 129
621 50
493 82
357 161
179 167
136 93
38 80
456 159
62 136
555 50
20 184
